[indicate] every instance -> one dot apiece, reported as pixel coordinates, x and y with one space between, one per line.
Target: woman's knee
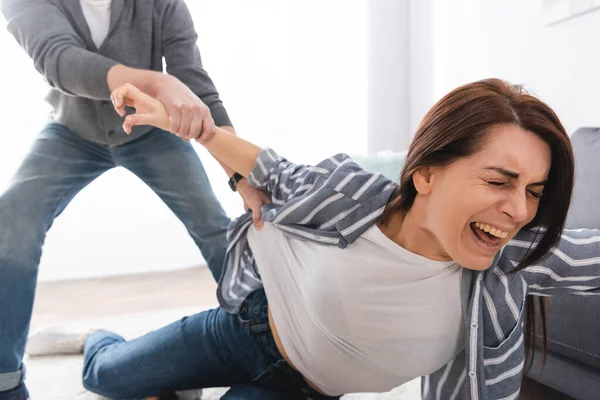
103 378
103 372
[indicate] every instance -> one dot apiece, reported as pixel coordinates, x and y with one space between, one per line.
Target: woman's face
475 205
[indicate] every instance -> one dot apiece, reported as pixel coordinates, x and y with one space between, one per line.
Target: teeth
491 230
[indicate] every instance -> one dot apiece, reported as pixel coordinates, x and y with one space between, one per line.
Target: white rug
59 378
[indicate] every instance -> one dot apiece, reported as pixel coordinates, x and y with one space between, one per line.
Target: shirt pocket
503 364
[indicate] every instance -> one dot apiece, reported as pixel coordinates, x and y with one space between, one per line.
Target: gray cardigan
55 35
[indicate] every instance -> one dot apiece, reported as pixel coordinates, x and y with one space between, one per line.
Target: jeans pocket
243 316
254 312
282 377
256 325
277 376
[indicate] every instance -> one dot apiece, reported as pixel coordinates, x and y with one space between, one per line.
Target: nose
515 206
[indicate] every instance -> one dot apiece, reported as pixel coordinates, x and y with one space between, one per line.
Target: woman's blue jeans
209 349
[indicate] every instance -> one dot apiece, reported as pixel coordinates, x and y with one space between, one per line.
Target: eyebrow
514 175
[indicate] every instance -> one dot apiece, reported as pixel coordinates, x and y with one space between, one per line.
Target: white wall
388 71
452 42
420 25
292 75
400 68
476 39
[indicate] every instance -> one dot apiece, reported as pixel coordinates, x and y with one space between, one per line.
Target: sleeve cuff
220 116
266 161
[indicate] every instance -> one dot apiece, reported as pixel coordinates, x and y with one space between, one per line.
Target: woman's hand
148 110
254 199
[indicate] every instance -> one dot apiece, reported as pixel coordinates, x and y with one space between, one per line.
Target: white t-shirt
366 318
97 16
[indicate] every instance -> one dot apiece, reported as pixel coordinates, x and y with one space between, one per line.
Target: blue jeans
58 166
210 349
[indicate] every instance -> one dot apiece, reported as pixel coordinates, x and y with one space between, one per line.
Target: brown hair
459 124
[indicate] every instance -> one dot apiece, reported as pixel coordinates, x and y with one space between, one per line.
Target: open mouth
489 236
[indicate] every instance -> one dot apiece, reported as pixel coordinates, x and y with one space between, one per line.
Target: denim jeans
209 349
58 166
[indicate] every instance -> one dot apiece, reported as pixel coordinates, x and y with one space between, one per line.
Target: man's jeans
58 166
210 349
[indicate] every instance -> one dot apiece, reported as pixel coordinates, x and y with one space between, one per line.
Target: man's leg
171 168
58 166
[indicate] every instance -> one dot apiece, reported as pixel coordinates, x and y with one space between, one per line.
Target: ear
423 180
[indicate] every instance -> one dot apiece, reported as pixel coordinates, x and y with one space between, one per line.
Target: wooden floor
73 300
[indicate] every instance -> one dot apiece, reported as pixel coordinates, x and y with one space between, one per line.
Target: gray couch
573 359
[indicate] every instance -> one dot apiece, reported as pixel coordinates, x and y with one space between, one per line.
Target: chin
477 263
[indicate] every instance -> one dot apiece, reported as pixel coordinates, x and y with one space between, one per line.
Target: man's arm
185 63
58 52
183 59
180 49
153 83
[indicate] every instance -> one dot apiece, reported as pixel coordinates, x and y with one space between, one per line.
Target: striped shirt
336 201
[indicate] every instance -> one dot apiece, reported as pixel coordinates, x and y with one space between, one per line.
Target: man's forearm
145 80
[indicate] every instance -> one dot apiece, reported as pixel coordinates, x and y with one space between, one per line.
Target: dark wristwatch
234 180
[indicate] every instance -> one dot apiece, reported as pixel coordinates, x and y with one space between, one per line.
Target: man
85 49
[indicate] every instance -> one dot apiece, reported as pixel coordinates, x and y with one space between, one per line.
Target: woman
357 284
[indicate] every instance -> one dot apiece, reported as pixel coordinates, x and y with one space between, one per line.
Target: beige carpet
59 378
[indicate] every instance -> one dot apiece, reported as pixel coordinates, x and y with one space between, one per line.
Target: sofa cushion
574 321
387 163
584 211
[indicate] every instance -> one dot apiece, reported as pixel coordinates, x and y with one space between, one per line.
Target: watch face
234 180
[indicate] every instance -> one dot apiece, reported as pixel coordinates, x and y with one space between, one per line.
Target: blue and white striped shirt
336 201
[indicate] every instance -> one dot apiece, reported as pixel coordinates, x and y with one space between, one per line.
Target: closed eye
534 194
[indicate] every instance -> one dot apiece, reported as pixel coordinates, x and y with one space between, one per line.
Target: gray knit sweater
55 35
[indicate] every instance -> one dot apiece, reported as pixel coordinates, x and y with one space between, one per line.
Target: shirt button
480 278
472 374
474 325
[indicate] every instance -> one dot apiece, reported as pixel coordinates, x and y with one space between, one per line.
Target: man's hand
254 199
189 117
